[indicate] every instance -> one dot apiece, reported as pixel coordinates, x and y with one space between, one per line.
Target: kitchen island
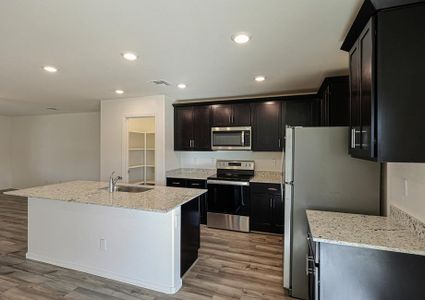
148 239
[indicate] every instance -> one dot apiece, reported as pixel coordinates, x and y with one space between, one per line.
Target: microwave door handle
243 138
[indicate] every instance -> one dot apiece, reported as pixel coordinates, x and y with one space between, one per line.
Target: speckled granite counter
267 177
186 173
158 199
363 231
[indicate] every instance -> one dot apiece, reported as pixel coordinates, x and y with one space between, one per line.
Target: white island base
128 245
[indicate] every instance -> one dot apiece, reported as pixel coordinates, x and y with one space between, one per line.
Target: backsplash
407 220
264 161
405 188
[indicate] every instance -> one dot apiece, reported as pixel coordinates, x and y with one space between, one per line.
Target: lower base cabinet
190 234
194 184
344 272
267 209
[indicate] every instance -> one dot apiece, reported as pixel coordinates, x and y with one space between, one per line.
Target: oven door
228 205
231 138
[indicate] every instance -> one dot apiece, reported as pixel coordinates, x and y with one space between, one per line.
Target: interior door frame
124 142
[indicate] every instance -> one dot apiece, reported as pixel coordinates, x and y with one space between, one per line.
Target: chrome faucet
113 182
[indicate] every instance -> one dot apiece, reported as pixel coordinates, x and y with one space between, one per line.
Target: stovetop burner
234 170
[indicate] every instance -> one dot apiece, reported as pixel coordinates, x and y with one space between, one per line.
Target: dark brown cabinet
192 128
224 115
334 95
267 209
194 184
362 103
267 126
301 112
386 84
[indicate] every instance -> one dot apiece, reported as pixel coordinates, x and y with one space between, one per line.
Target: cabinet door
241 114
200 184
183 128
366 45
355 111
201 128
261 212
301 113
267 126
278 213
221 115
177 182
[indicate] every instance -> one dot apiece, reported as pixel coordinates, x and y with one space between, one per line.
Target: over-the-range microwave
231 138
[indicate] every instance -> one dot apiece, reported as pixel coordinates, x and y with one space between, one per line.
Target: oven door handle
225 182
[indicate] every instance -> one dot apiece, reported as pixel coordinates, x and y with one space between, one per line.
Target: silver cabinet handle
175 182
195 184
280 143
353 138
308 260
271 202
272 189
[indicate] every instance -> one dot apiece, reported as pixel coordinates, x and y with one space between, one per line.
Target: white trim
106 274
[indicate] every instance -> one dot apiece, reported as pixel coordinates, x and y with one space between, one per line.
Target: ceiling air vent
160 82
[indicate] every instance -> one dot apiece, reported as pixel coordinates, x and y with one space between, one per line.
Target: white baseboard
106 274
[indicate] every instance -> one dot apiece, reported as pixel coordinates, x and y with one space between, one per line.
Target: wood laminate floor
231 265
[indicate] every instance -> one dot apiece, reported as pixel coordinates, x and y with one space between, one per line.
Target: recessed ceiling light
50 69
181 86
260 78
241 38
129 56
119 92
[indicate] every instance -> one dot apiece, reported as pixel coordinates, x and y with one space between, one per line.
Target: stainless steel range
228 195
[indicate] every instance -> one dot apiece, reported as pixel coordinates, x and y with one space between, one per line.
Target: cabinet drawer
178 182
196 184
266 188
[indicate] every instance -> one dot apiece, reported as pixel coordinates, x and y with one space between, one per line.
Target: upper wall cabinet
386 86
301 111
192 128
267 126
223 115
334 97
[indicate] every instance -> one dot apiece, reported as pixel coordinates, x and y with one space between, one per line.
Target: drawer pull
176 182
273 189
195 184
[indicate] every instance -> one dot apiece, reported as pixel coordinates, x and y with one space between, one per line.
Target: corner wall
54 148
5 153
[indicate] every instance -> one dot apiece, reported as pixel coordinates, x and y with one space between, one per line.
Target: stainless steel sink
131 189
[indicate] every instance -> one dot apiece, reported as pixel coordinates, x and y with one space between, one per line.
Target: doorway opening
140 151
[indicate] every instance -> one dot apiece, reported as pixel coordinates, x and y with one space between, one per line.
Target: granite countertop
374 232
186 173
267 177
158 199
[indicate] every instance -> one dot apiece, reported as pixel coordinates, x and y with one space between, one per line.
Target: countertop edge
367 246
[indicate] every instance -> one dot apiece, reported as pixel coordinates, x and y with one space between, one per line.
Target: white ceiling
295 43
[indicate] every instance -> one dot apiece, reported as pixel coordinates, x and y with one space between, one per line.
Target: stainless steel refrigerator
320 174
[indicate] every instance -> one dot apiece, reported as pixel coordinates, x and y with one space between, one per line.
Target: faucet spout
113 182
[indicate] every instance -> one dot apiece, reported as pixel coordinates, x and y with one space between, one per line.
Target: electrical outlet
405 187
102 245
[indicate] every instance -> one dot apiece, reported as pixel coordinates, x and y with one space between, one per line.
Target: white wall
264 161
411 201
113 116
54 148
5 153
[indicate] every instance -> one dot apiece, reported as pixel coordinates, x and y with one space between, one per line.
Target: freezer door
287 237
289 154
